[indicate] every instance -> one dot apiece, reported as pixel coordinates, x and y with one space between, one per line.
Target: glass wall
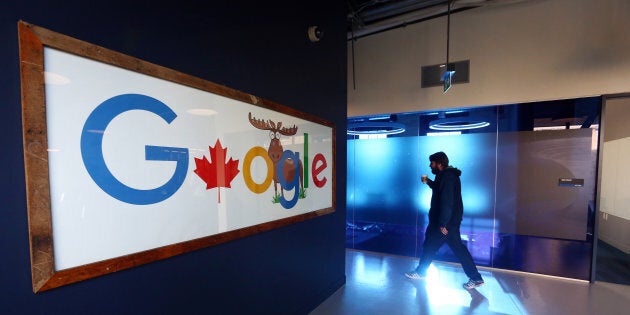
528 183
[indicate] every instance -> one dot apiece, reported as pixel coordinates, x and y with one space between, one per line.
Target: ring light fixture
456 123
375 128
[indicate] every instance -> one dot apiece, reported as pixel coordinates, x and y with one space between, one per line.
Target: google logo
94 161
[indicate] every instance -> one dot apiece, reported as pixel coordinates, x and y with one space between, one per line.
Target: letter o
247 172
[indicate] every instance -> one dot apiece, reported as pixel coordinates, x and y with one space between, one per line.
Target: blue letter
295 183
92 150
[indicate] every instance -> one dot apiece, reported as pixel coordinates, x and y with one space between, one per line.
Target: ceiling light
457 123
444 133
202 111
55 78
372 128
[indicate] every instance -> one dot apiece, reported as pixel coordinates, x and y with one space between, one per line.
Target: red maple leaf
217 173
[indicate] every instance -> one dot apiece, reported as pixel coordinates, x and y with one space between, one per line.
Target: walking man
445 218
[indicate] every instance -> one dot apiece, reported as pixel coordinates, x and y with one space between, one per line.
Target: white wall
614 196
520 52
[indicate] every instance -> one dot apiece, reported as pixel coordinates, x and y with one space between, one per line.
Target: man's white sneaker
414 275
471 284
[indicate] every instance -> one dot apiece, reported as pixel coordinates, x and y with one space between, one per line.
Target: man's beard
435 170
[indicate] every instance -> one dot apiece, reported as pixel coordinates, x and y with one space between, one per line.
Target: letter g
92 150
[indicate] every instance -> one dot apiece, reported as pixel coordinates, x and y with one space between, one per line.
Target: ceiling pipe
403 20
392 15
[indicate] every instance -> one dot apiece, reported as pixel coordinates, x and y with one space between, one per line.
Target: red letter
316 169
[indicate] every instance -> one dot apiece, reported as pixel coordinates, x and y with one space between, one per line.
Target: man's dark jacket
447 207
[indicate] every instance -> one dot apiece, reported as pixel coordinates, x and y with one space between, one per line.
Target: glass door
528 183
613 242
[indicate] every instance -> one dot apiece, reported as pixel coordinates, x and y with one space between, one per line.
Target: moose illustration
275 151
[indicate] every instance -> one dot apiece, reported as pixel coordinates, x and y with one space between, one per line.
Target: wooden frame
32 41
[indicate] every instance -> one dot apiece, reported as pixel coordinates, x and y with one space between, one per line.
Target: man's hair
440 158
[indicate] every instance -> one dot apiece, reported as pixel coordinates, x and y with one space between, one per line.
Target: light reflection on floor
375 284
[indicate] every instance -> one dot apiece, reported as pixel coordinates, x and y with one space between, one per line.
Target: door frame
600 151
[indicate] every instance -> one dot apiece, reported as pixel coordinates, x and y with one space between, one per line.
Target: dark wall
257 47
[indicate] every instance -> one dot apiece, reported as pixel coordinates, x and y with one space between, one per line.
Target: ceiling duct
367 17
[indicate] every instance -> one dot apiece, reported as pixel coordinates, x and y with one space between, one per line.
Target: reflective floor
375 284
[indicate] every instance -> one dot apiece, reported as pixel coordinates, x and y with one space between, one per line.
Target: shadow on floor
612 264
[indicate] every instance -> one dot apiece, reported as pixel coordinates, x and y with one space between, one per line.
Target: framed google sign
128 162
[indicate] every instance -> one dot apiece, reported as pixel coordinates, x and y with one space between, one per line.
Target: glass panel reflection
528 183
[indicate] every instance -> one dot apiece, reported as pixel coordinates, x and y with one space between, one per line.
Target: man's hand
444 230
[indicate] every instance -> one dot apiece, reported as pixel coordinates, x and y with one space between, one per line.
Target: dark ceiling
367 17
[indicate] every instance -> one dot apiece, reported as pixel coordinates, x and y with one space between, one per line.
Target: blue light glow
454 124
384 187
373 127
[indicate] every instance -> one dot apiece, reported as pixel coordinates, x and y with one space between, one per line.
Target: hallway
375 284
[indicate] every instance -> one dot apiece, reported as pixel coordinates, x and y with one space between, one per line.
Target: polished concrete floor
375 284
